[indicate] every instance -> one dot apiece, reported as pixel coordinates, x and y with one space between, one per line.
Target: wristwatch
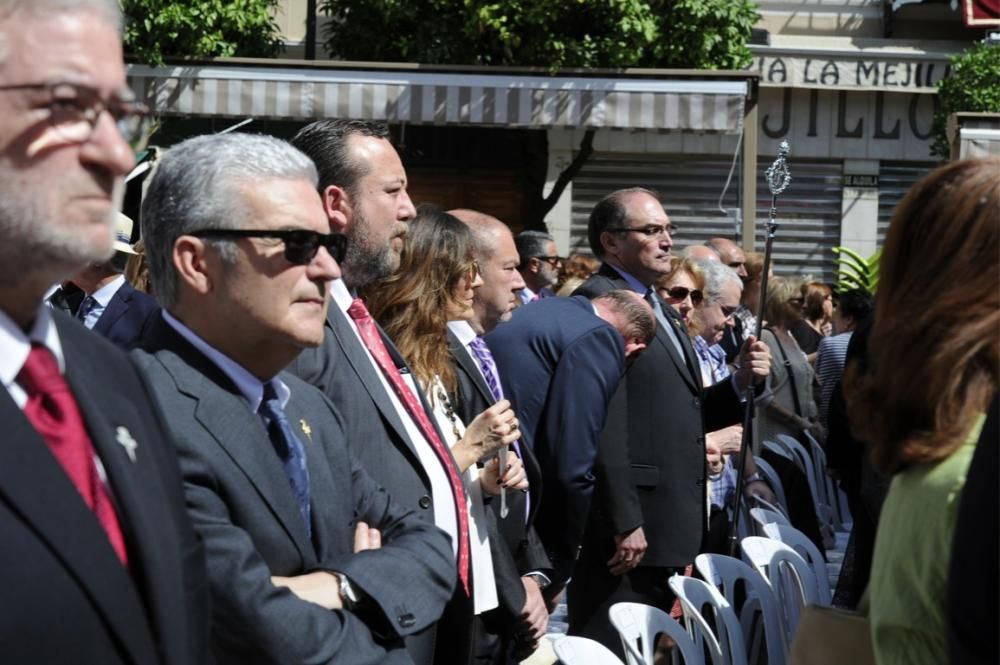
348 596
541 580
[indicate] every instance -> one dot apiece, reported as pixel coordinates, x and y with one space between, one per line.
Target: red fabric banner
981 13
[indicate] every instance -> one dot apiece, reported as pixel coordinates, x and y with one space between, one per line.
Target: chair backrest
639 625
817 484
758 608
801 543
777 449
724 643
764 516
761 502
772 478
573 650
789 576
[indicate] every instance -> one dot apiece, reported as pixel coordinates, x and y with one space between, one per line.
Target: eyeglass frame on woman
335 243
650 230
131 117
697 296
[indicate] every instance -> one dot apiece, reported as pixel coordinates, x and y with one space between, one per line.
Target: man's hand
366 538
629 550
534 617
753 362
321 588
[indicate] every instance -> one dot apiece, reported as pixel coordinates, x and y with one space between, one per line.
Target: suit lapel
116 308
467 364
224 413
32 480
687 364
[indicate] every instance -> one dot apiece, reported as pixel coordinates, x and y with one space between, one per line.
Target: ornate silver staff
778 177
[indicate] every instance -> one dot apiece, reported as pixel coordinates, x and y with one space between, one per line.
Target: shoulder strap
788 367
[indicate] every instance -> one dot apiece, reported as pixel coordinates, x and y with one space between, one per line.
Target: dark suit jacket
514 544
64 595
240 501
341 369
559 364
651 465
127 317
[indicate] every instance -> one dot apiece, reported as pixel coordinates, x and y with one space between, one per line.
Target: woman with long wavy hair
933 368
435 283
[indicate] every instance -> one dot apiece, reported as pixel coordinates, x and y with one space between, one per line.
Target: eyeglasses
728 312
301 245
553 261
650 231
75 109
473 271
682 292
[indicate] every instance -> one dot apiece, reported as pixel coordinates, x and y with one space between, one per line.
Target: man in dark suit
362 184
308 558
560 361
510 632
98 560
648 515
111 306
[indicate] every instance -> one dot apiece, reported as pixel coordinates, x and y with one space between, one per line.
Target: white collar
463 331
15 344
104 294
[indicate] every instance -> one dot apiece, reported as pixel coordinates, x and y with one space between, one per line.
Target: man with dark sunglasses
540 264
309 560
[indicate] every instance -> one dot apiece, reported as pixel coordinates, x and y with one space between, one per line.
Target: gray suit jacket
241 503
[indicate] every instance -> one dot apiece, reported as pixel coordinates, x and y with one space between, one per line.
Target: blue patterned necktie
489 369
290 450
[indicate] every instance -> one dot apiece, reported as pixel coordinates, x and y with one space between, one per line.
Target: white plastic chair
834 497
799 542
824 513
771 476
762 516
761 502
777 449
639 625
758 613
789 576
724 643
573 650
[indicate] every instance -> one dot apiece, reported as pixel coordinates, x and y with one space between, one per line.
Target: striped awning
421 97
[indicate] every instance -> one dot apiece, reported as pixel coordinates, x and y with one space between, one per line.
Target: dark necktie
86 305
488 366
290 450
53 411
373 342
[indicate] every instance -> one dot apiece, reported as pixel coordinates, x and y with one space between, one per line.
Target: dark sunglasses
553 261
301 245
682 292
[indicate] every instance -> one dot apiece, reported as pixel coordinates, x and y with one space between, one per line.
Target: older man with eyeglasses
540 263
648 515
98 560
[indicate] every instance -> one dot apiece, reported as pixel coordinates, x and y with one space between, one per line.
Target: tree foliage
155 29
556 34
973 86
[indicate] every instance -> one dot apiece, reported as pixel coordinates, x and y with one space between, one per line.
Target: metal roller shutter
895 179
809 211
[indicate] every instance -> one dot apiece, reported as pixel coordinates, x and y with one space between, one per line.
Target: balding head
630 315
731 254
498 259
701 253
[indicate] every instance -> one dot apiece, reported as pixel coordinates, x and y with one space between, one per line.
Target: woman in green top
934 367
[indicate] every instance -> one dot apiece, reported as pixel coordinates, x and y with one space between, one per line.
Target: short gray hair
44 8
196 186
716 276
531 244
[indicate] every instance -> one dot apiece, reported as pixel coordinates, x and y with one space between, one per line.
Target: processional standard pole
778 178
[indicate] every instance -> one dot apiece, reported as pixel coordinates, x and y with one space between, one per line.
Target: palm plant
855 271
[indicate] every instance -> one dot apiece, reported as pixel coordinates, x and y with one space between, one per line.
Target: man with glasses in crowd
98 560
309 560
540 263
648 515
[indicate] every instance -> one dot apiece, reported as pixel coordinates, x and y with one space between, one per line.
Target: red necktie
53 411
373 342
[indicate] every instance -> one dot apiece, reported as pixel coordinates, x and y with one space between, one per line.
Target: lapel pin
306 429
125 440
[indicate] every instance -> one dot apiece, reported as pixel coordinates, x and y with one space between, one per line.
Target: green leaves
555 34
973 86
857 272
155 29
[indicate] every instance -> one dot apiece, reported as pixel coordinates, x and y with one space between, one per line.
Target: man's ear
191 264
609 241
337 206
633 347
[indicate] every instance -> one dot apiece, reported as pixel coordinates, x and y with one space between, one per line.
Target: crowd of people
307 421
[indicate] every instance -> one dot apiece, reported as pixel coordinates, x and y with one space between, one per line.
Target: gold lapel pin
306 429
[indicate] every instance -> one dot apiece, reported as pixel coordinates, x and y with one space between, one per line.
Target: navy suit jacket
560 364
127 317
240 501
64 595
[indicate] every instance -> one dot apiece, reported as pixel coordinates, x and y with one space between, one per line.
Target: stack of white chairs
640 625
710 621
789 576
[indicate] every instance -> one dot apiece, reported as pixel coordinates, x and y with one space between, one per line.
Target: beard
33 241
367 259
